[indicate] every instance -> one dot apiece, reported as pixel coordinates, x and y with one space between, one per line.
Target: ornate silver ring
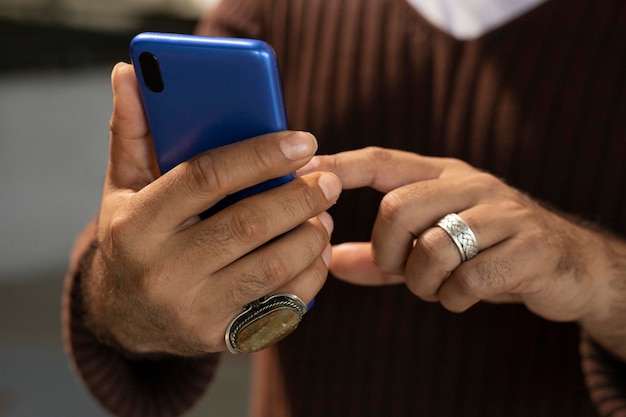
264 322
461 235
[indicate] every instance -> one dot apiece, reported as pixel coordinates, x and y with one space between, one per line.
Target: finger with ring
461 234
264 322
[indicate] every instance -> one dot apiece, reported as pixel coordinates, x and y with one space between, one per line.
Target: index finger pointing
378 168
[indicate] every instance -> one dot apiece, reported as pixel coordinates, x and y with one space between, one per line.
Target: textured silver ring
264 322
461 235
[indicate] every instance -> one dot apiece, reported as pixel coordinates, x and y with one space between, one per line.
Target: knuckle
274 268
391 206
116 121
513 207
318 274
532 239
113 125
487 182
457 165
432 247
309 198
313 239
487 279
247 223
423 293
204 175
414 285
322 236
472 284
303 201
261 158
318 242
270 272
129 225
329 162
120 227
377 154
386 266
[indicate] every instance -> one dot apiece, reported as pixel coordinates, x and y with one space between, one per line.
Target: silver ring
264 322
461 235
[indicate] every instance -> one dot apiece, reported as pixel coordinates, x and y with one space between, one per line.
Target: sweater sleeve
125 386
605 376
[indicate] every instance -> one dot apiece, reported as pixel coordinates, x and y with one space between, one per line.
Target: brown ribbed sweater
540 101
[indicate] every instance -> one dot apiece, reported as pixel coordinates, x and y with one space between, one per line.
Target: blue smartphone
203 92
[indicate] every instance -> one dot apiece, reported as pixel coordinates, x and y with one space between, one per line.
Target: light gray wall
53 152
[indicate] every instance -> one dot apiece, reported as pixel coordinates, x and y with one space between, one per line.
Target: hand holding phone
164 282
200 93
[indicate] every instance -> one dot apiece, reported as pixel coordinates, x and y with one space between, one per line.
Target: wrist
96 299
117 320
605 320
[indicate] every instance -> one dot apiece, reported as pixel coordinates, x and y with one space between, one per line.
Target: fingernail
309 167
327 222
330 186
327 255
298 145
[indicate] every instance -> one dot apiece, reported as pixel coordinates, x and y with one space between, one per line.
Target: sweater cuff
164 386
605 376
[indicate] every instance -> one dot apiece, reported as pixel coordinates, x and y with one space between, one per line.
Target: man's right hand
162 280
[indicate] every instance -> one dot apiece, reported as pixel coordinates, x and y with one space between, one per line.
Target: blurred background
55 102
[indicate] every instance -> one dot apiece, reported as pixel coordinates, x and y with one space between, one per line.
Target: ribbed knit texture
128 387
540 102
606 378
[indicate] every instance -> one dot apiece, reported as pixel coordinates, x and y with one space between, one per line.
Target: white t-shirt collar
470 19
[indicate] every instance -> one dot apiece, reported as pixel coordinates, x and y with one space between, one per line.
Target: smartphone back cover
216 91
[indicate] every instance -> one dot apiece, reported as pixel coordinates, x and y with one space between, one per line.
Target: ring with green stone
264 322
